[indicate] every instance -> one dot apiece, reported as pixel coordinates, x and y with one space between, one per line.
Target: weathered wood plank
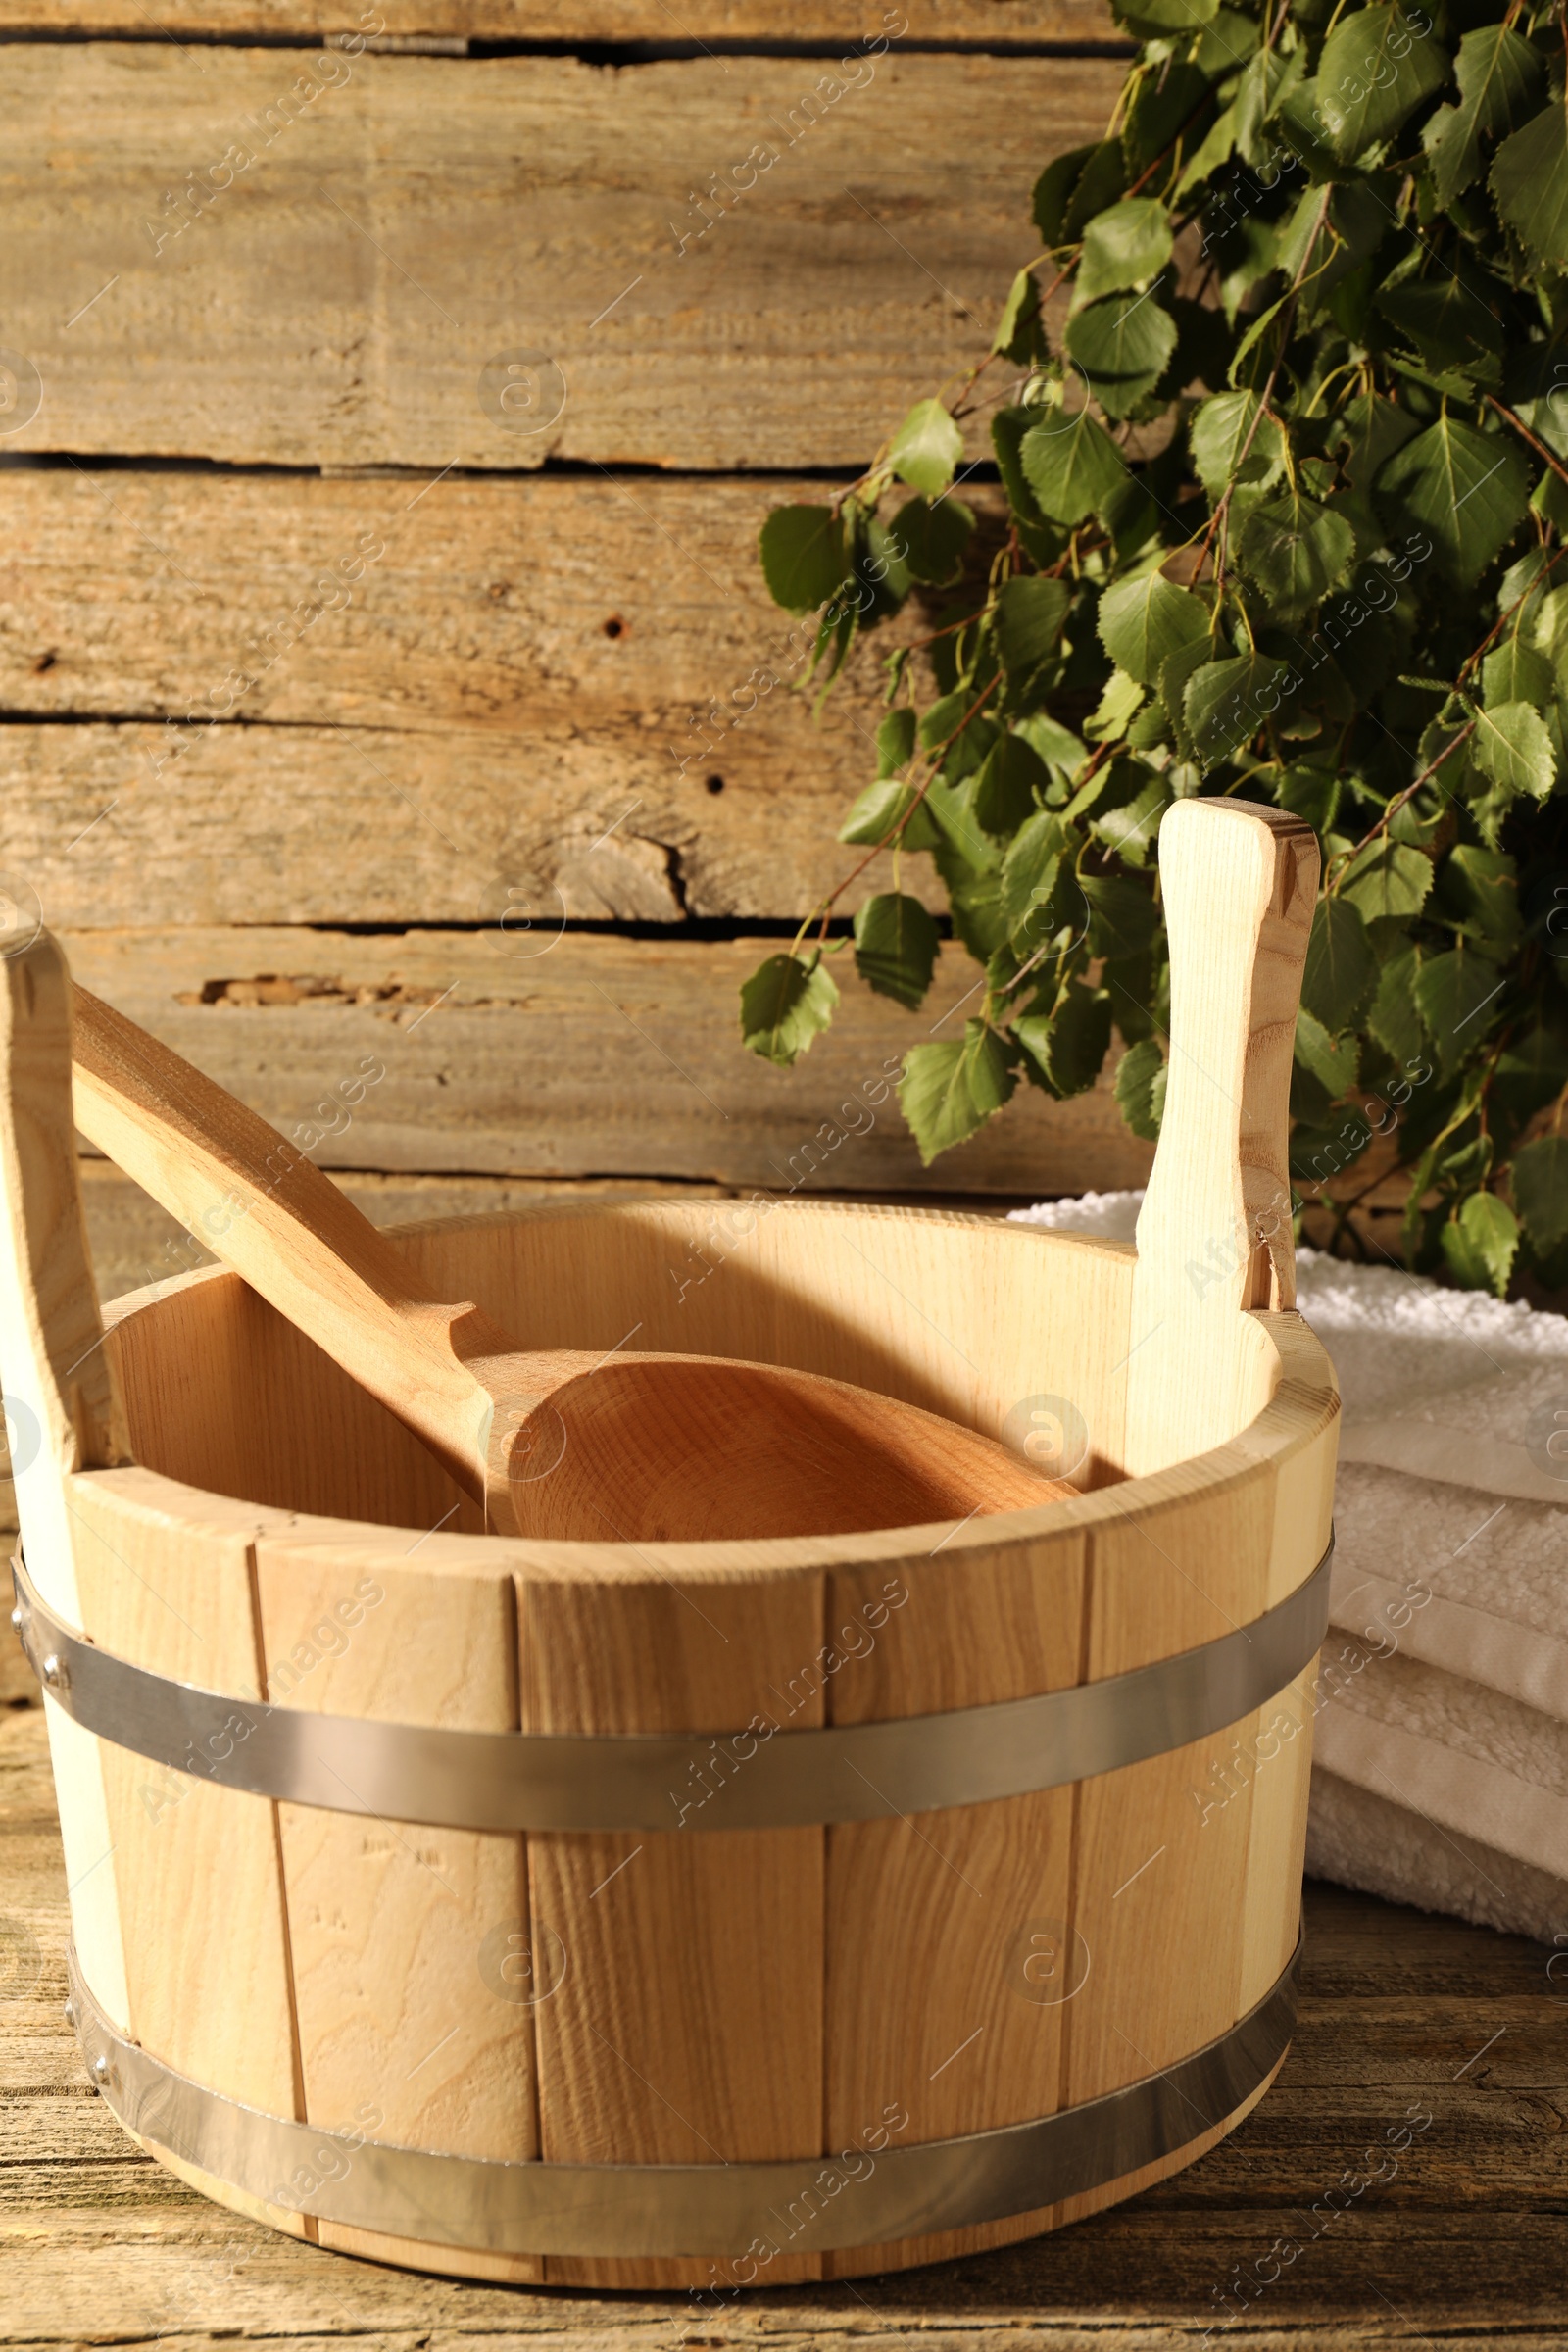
988 22
306 824
519 606
1466 2239
545 684
353 293
593 1055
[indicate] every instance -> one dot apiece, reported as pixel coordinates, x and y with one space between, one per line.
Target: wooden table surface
1403 2016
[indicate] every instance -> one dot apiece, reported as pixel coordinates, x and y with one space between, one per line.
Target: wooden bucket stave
699 1996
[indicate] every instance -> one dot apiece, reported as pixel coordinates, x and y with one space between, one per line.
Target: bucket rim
1306 1404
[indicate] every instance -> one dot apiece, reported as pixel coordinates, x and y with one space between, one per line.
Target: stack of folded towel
1440 1772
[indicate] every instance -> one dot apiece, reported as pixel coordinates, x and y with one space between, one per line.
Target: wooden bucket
706 1915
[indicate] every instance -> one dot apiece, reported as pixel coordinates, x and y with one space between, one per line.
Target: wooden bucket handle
1240 885
53 1358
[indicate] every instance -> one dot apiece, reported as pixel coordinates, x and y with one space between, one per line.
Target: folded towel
1368 1841
1441 1753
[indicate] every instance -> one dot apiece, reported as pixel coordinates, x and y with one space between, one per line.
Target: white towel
1441 1755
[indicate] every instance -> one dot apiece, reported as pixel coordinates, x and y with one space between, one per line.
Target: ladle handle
1239 883
265 1209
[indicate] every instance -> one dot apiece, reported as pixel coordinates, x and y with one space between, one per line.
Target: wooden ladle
572 1445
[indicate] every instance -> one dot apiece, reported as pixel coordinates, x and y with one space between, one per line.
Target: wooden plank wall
390 750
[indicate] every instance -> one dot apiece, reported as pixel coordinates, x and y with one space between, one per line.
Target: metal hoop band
762 1778
814 2203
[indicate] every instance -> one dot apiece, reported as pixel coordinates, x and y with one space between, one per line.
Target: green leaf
1467 490
1122 917
1528 577
1123 345
881 570
1131 986
1218 433
1532 1073
1452 992
1549 626
1248 259
933 538
1152 728
1163 105
1445 747
939 718
1113 713
1141 1089
878 810
1075 186
1017 335
1041 539
1170 16
1315 250
1228 43
1479 1244
1069 1045
1100 787
1446 322
1389 881
1552 641
1132 514
1370 429
1239 374
1309 792
1143 622
1529 181
785 1004
1054 743
1176 673
1071 464
1029 617
1009 787
1029 873
1007 429
1394 1021
974 904
1539 1182
836 632
949 1089
958 835
1227 702
1340 966
1517 673
1297 550
1305 130
1334 1061
1486 884
926 448
1212 152
804 557
896 945
895 745
1054 192
965 756
1513 747
1375 70
882 579
1124 247
1500 80
1130 828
